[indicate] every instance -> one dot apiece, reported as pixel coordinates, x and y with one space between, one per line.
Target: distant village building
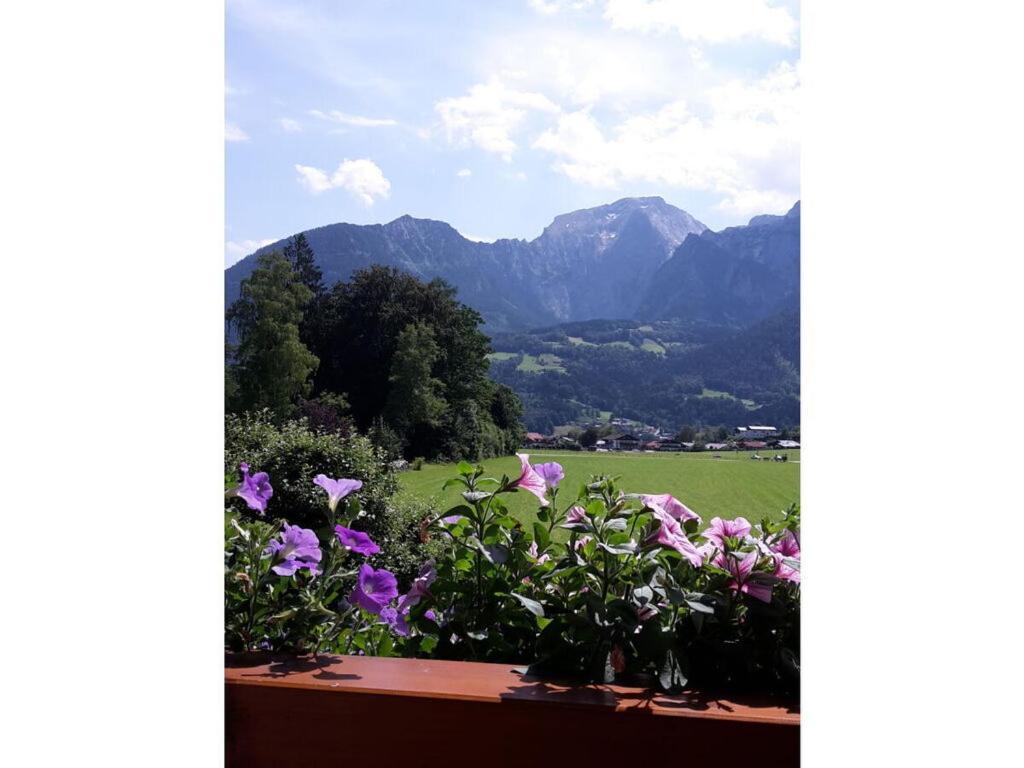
756 432
535 437
717 446
753 445
673 446
787 444
623 441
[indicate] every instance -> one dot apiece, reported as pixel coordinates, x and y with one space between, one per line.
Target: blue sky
496 116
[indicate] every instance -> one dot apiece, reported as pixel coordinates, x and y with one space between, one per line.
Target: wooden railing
357 711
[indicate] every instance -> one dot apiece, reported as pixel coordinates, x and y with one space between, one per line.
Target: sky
497 116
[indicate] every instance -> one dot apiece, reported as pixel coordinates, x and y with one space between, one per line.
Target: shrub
418 462
293 454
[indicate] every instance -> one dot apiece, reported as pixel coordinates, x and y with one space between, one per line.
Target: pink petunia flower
720 530
742 572
670 505
670 534
530 480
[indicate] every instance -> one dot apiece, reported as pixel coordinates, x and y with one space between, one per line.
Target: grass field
727 487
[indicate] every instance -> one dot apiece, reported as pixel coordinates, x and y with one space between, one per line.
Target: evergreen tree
300 256
272 366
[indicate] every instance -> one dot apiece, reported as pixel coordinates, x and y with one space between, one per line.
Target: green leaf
531 605
474 496
626 548
465 468
541 536
700 607
670 676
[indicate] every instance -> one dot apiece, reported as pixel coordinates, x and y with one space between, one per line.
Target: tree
415 402
300 255
588 437
686 434
272 366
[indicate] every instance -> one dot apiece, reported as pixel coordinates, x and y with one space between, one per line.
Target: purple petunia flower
719 530
430 614
576 514
452 519
374 589
396 620
530 480
552 473
670 534
669 504
297 548
355 541
337 489
255 490
533 553
420 587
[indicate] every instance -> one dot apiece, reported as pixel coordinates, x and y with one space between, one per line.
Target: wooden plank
370 711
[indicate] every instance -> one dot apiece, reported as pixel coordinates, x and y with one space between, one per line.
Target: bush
405 538
293 454
418 462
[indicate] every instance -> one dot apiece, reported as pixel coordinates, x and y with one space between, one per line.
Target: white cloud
743 144
489 114
464 173
237 250
233 133
358 121
708 21
289 125
363 178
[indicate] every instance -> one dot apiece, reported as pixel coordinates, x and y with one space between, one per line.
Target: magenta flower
788 547
297 548
743 577
337 489
671 535
355 541
430 614
720 530
669 504
576 514
395 619
530 480
552 473
254 490
420 587
452 519
374 589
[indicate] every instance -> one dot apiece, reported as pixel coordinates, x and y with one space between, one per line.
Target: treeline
385 354
759 364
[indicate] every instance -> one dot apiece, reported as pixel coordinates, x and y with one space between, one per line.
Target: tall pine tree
272 366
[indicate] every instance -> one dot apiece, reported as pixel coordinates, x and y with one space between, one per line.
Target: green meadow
727 487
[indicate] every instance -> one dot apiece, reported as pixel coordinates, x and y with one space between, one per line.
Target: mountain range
637 258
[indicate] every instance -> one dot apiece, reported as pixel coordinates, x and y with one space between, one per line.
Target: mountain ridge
597 262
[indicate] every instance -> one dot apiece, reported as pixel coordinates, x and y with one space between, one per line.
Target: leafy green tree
272 366
686 434
588 437
415 402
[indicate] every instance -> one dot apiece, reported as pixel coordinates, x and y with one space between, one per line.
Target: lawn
728 487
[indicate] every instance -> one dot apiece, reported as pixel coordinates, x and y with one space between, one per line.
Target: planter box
357 711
